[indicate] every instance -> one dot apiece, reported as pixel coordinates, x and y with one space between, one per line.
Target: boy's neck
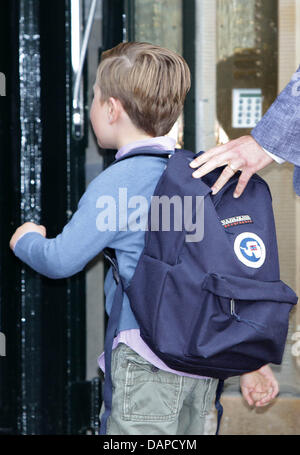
132 138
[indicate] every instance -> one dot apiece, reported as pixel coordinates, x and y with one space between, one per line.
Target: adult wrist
274 157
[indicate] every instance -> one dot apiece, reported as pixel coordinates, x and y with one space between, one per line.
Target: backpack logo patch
236 220
250 249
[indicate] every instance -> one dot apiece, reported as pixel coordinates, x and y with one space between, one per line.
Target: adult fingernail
235 195
193 164
196 174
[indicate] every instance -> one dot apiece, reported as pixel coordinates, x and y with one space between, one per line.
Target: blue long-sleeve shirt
81 240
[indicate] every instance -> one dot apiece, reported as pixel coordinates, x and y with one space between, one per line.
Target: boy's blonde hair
150 81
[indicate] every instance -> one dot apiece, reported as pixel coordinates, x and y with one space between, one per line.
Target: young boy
138 96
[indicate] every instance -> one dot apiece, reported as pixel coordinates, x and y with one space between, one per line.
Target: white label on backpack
250 249
235 220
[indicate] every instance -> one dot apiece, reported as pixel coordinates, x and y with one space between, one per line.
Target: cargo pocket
150 394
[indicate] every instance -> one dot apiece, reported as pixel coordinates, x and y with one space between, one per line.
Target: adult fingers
223 179
242 183
226 175
213 163
223 148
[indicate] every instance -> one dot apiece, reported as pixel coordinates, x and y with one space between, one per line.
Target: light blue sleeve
80 240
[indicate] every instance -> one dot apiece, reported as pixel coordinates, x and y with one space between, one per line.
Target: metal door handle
79 54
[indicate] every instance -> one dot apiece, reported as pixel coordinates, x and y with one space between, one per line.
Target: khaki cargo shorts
147 400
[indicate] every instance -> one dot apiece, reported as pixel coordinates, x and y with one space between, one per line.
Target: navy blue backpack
214 307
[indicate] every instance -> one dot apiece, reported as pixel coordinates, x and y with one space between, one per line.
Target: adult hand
243 154
259 387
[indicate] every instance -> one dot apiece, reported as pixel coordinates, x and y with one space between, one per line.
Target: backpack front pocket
245 319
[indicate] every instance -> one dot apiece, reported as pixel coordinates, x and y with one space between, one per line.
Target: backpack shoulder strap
218 405
112 325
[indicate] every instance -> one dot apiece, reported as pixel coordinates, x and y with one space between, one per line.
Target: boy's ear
114 109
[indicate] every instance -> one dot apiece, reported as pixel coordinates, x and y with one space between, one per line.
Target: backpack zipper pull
232 307
253 324
232 311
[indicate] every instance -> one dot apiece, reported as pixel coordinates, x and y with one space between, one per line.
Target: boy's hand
259 387
26 227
